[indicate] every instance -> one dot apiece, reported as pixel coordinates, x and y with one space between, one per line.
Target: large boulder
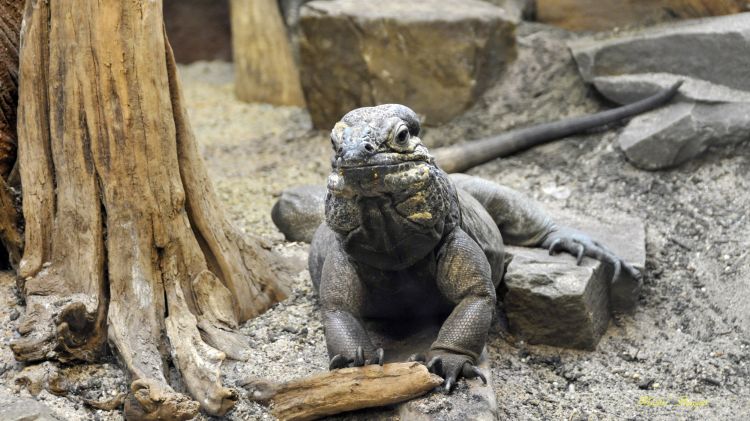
601 15
552 301
711 56
434 56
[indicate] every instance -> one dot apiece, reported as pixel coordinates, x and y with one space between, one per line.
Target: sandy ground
684 354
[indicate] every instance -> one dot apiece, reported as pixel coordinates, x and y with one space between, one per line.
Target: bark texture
11 12
265 70
348 389
125 241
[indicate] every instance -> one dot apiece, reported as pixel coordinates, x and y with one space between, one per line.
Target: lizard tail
461 157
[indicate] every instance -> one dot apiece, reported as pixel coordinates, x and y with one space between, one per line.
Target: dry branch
347 389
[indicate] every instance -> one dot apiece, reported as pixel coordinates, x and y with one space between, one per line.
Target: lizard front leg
343 298
464 278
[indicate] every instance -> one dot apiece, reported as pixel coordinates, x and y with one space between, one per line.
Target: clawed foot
450 367
341 361
580 245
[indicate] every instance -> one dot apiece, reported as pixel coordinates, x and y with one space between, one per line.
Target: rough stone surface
625 89
552 301
598 15
711 56
13 408
714 49
434 56
626 237
674 134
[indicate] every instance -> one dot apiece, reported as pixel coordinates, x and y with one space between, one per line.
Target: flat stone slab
715 50
552 301
435 56
711 56
676 133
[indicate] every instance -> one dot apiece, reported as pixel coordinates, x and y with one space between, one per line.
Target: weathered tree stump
125 241
265 70
11 12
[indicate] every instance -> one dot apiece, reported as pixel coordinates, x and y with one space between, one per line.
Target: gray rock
552 301
14 408
711 56
676 133
714 49
435 56
625 89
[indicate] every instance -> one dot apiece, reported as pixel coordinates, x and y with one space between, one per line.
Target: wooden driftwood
347 389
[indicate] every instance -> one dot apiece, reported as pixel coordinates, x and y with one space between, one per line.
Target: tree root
154 401
199 364
107 404
60 328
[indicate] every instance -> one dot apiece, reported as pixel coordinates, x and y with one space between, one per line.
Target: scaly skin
402 239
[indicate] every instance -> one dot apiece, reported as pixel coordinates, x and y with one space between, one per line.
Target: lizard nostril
369 147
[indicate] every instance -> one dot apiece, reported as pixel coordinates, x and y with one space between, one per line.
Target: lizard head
387 200
375 145
377 136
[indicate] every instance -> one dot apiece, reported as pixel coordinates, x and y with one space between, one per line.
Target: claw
618 269
435 365
449 383
417 357
479 374
379 357
579 255
338 361
359 357
553 246
471 371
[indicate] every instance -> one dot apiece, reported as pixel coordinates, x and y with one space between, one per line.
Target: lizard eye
402 136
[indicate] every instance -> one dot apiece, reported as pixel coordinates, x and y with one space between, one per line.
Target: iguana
403 239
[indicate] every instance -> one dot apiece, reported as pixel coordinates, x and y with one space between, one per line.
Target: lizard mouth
384 161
